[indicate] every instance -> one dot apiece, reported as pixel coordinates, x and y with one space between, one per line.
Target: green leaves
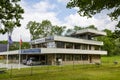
91 7
44 29
10 15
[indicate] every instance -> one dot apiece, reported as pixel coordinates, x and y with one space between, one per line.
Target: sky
58 14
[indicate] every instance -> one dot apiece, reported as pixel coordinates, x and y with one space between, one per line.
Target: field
108 70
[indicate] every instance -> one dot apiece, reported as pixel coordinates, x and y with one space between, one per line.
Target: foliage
44 29
16 45
77 28
10 15
91 27
110 43
92 7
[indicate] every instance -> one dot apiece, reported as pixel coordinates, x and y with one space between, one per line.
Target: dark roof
3 47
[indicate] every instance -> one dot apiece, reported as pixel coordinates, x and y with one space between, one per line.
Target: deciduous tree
10 15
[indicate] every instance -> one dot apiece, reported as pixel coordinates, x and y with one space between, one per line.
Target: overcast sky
58 14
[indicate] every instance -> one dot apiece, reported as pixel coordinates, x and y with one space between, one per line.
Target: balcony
71 51
76 40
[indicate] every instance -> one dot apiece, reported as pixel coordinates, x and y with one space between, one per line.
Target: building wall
96 59
53 59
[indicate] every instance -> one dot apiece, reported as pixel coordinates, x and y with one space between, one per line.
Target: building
80 47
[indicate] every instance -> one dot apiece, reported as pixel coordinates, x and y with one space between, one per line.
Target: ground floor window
69 57
84 57
77 57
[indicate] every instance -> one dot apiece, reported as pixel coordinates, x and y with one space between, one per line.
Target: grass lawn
106 71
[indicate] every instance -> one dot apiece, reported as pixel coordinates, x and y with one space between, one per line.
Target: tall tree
109 42
10 15
34 27
58 30
44 29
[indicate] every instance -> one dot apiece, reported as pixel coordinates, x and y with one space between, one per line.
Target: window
69 45
77 57
69 57
44 45
33 46
89 47
96 47
84 47
77 46
60 56
60 44
84 57
51 45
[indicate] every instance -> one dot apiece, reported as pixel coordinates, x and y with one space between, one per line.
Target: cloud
43 6
63 1
100 23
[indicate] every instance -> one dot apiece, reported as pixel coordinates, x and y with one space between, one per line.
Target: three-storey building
80 47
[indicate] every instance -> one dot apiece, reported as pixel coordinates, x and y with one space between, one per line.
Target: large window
84 57
51 45
44 45
60 56
77 46
69 45
33 46
69 57
60 44
84 47
77 57
97 47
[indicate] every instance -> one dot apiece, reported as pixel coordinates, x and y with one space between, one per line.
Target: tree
34 28
15 46
77 28
91 7
58 30
10 15
109 42
91 27
44 29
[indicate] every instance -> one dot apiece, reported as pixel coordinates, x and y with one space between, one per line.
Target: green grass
106 71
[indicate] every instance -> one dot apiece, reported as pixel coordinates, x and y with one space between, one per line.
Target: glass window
77 46
84 57
84 47
97 47
77 57
60 56
60 44
33 46
44 45
69 57
69 45
89 47
51 45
